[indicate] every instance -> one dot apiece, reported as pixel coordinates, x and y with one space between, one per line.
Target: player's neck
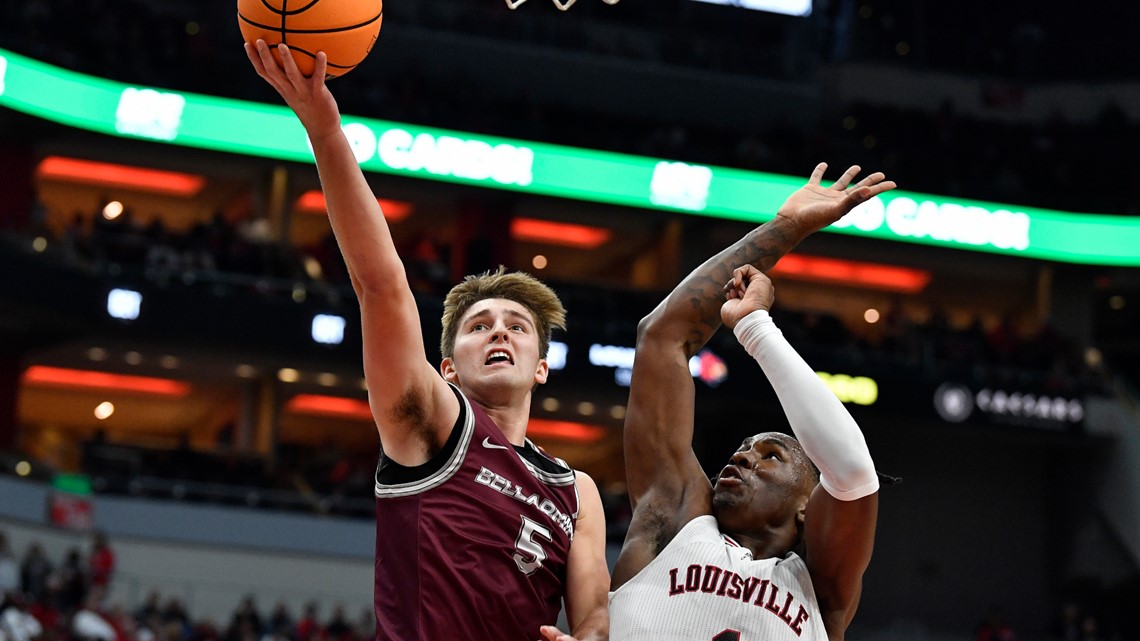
511 418
765 544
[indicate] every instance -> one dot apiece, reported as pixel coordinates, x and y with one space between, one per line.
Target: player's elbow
654 326
855 482
380 278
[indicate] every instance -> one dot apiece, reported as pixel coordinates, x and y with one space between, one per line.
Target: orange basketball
344 29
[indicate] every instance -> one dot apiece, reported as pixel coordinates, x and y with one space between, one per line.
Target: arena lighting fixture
105 174
354 409
45 376
834 270
564 430
313 202
124 304
328 329
553 233
337 406
799 8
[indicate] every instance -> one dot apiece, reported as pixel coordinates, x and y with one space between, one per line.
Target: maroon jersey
472 544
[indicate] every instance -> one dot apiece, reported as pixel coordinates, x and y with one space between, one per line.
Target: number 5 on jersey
530 554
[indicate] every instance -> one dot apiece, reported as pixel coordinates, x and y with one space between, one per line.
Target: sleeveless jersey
705 587
472 544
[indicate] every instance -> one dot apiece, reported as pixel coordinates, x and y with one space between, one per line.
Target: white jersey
706 587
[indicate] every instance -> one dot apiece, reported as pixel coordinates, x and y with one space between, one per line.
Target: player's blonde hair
524 289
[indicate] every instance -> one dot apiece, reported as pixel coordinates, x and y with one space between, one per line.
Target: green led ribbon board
272 131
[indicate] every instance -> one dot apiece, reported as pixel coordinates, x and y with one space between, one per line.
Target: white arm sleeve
820 422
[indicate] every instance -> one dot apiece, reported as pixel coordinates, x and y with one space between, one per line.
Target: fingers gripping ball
344 29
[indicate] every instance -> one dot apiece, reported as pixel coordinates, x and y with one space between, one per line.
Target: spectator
35 571
281 621
89 624
246 623
151 607
71 579
102 563
16 623
44 610
309 627
176 619
9 569
338 628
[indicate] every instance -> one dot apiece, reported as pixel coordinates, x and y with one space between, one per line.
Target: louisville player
479 535
716 562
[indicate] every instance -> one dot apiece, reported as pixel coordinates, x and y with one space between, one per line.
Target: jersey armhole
394 479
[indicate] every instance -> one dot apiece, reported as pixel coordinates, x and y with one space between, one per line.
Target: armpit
409 410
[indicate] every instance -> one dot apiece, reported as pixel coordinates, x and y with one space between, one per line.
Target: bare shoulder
590 508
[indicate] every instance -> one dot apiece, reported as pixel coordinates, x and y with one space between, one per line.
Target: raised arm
666 483
839 526
659 420
413 407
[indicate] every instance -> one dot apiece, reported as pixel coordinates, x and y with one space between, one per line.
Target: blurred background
185 446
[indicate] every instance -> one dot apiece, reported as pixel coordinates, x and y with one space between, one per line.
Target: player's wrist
751 322
794 225
324 133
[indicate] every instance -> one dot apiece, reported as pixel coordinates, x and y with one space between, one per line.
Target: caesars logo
955 403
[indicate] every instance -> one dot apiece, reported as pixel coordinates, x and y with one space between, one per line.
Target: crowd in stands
220 252
243 254
121 242
1002 355
326 479
1065 165
41 600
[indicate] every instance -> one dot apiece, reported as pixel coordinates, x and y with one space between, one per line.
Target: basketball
344 29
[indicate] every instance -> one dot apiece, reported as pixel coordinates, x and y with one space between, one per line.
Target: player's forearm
595 627
357 221
690 315
822 425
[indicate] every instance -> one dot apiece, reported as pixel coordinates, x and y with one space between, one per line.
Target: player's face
496 349
764 484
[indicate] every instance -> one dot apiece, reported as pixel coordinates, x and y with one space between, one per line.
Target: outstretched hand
551 633
748 291
813 206
309 98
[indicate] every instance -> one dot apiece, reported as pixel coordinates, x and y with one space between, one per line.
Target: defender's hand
748 291
813 206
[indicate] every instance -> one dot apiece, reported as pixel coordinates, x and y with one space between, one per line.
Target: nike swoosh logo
491 446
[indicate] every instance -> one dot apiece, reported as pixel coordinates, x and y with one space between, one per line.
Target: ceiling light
45 376
107 174
555 233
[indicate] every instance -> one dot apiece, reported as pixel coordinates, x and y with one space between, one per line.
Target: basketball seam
283 30
283 11
327 63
